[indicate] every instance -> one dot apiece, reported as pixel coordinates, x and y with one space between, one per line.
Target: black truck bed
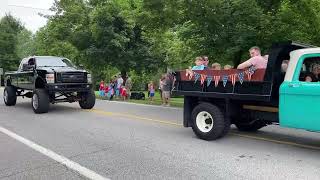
263 86
253 89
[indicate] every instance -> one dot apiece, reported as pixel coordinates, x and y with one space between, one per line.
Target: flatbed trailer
251 98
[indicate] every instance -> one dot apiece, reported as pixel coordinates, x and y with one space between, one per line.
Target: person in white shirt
256 60
119 85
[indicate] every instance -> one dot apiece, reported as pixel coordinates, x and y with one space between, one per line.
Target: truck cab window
311 70
24 61
31 61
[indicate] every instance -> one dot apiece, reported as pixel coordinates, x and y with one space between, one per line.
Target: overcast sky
27 11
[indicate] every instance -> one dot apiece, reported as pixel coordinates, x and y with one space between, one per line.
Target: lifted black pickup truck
49 79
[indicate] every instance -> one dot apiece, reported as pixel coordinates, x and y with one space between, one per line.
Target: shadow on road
54 108
301 137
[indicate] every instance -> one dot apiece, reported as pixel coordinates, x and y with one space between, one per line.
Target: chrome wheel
35 101
5 96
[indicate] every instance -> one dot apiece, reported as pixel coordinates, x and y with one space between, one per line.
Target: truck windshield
53 62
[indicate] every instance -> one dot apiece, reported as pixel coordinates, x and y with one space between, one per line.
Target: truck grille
72 77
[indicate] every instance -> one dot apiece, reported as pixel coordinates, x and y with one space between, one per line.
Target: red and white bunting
203 78
216 80
233 78
248 74
189 74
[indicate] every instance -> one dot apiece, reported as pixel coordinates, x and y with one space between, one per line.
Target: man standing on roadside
161 86
128 86
119 85
256 60
166 90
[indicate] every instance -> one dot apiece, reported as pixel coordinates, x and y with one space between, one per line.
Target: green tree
104 34
9 29
225 29
152 35
25 44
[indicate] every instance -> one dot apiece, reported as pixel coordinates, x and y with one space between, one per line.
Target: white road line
62 160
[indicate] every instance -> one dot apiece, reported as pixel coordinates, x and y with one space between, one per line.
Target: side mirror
27 67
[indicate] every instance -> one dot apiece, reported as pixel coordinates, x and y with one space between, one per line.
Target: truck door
25 77
300 99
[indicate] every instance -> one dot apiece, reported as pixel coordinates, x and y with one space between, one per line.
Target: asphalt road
128 141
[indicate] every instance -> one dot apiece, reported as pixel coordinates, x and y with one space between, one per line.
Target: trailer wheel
250 127
88 100
208 122
40 101
10 96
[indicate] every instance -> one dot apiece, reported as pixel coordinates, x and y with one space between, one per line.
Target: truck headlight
89 79
50 78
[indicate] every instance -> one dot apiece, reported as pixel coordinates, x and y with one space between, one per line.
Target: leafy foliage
149 37
9 30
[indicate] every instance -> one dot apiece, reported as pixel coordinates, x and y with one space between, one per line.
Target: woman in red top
124 93
101 89
106 89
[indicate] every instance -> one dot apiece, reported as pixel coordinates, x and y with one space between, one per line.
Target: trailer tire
10 96
40 101
208 122
88 100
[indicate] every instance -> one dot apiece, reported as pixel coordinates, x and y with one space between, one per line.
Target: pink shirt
259 62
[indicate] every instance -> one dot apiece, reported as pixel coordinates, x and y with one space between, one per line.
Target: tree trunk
124 76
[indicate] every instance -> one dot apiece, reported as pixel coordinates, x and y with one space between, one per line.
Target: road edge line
52 155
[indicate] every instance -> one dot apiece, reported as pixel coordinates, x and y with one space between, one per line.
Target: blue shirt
201 67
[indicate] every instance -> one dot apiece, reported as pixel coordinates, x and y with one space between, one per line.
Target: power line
28 7
48 10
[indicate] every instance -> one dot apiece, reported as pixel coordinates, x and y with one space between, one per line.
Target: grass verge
175 102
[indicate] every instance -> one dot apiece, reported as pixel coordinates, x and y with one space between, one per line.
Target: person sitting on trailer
227 67
199 64
205 61
216 66
256 60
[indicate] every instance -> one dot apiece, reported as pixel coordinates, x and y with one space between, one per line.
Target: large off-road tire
250 127
208 122
10 96
40 101
88 100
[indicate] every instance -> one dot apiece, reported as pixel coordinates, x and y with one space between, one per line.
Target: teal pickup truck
254 98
